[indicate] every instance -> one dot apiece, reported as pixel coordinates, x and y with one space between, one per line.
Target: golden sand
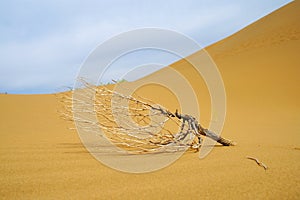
42 159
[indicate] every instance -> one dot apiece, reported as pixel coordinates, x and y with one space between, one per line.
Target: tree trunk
217 138
199 130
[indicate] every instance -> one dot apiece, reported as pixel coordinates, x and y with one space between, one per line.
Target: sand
42 159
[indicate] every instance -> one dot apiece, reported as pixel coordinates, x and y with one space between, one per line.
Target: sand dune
42 159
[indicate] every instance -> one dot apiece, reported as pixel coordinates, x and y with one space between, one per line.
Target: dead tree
147 134
200 131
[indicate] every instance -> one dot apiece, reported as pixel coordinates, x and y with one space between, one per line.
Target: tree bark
200 130
217 138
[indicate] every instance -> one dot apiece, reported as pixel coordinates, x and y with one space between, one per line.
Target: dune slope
42 159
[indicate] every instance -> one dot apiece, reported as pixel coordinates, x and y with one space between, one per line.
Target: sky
44 43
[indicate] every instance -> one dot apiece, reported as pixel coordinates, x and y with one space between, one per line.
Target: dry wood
199 130
258 162
152 117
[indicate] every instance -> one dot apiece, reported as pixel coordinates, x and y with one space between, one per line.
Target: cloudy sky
44 43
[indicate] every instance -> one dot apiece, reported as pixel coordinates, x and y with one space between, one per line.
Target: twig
258 162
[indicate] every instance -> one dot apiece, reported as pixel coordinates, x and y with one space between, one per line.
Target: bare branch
134 123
